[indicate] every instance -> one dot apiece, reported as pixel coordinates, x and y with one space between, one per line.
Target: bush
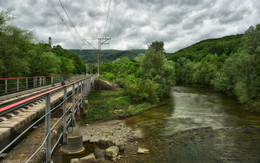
108 76
142 91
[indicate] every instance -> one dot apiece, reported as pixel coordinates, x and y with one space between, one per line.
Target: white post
26 81
40 81
6 86
17 84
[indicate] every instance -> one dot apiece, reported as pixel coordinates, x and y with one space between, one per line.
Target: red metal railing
13 84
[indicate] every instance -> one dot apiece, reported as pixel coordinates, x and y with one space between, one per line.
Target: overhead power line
89 44
57 12
82 39
70 21
112 18
121 16
107 18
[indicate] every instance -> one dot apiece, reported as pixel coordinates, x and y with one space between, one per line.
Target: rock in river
143 151
112 151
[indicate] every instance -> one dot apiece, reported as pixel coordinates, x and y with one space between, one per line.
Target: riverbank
132 145
102 128
108 105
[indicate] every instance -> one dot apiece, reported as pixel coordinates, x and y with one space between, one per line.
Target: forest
21 55
230 64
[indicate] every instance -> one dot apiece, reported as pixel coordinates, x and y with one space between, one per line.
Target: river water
198 125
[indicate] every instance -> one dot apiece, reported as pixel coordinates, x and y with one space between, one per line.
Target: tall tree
157 68
157 46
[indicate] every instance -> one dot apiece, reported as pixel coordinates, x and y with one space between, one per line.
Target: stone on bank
112 151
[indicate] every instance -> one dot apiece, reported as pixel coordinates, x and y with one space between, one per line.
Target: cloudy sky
133 24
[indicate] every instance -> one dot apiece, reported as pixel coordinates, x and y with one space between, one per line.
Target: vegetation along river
198 125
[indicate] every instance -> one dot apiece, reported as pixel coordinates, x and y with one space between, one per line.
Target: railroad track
19 96
12 98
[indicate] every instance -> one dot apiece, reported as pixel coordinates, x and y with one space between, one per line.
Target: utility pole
101 41
86 67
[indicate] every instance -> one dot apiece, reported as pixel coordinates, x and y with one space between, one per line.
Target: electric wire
82 39
107 17
122 15
70 20
90 44
57 12
112 18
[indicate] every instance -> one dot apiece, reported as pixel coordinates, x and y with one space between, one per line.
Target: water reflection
200 125
152 121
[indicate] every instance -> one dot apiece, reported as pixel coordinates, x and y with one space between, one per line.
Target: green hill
106 55
219 46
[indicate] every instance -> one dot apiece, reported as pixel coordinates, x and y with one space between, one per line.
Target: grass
107 105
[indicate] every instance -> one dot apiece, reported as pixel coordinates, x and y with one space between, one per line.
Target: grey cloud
136 23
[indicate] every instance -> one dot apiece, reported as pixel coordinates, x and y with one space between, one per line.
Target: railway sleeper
12 124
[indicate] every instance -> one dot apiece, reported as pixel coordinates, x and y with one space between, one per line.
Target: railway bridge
41 113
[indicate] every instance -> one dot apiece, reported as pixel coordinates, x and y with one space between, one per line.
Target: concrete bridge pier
74 141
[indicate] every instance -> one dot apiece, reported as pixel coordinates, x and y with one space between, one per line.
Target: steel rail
14 106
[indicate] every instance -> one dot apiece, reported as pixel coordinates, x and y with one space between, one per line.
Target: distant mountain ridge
90 56
220 46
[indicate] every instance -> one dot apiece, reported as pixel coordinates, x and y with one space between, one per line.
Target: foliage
21 56
157 46
14 45
142 91
76 65
5 16
252 40
157 68
240 77
148 77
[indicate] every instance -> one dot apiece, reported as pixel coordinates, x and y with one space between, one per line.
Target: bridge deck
25 117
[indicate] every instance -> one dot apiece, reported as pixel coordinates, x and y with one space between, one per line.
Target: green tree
251 40
21 56
14 44
157 68
157 46
5 17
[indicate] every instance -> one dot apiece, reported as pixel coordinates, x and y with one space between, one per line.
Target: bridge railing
79 91
10 85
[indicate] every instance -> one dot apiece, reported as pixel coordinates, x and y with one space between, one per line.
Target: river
198 125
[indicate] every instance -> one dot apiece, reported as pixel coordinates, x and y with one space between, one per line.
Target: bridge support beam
64 118
48 127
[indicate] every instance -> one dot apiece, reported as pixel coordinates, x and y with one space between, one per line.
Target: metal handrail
19 136
41 118
23 83
83 94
